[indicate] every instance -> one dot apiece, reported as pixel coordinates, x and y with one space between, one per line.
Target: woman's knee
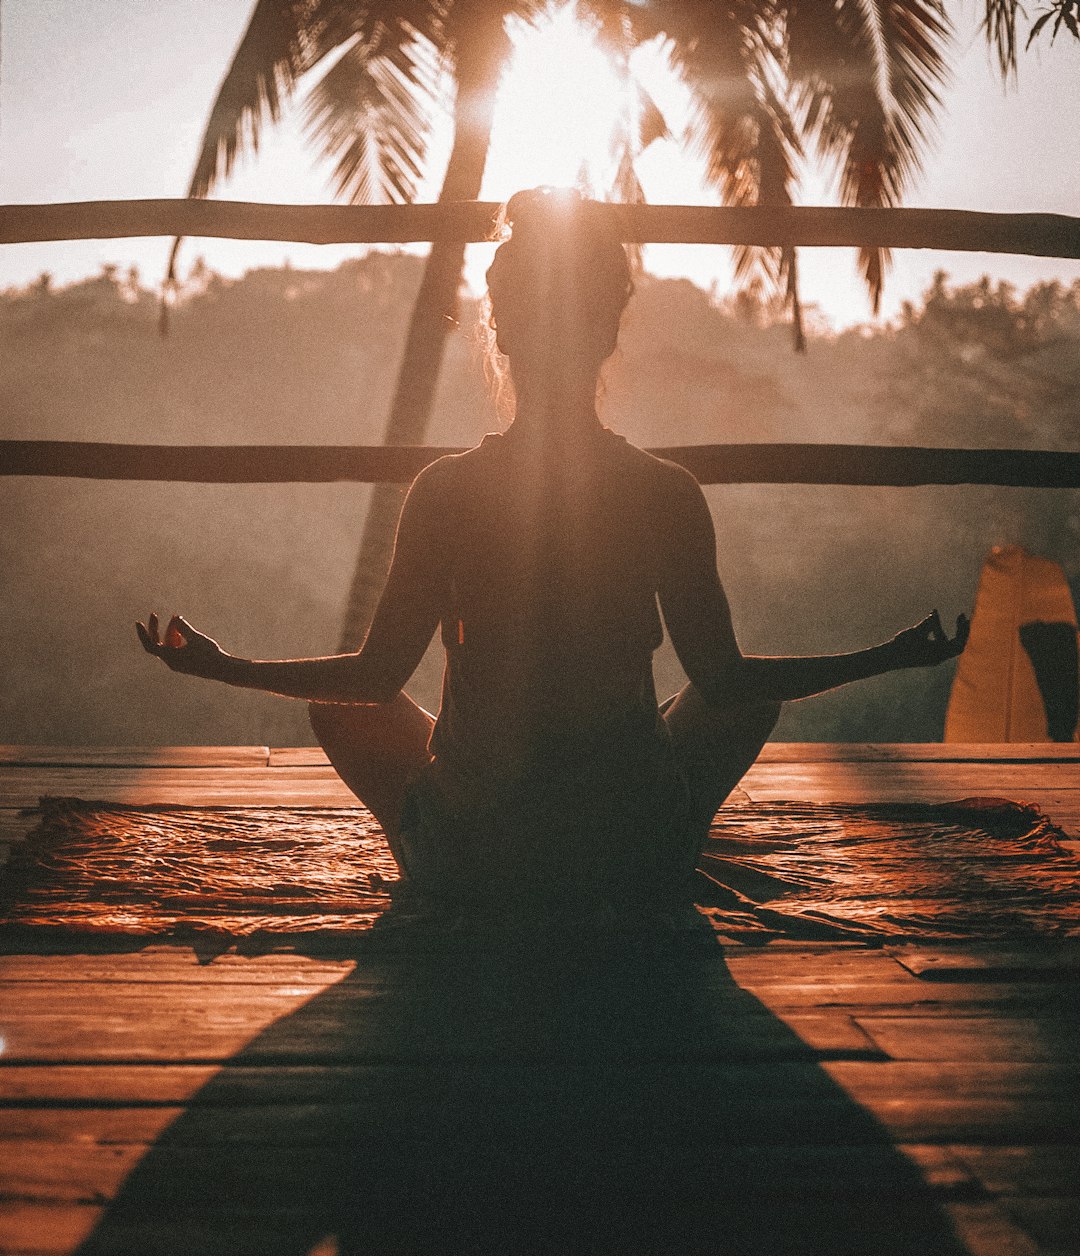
336 723
751 715
389 730
324 718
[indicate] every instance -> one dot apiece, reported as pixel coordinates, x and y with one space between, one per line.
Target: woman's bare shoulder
661 474
451 480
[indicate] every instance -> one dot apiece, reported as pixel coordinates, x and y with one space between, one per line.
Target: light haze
106 99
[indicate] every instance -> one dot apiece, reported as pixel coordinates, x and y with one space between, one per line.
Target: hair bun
542 205
561 265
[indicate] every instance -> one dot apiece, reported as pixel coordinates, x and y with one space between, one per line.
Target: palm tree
857 80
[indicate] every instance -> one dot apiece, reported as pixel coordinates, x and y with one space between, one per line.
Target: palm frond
777 150
284 40
275 50
1063 13
868 74
372 112
651 123
744 129
999 27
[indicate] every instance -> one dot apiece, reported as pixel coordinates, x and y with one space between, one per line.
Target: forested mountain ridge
286 356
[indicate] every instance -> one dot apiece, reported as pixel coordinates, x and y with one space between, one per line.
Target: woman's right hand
926 644
183 649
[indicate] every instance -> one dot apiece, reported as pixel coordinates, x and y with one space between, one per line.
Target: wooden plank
1054 1224
1012 1081
987 779
1051 786
48 1230
35 1229
135 756
940 1000
155 1084
302 778
916 752
824 964
298 757
200 1023
881 465
22 786
27 1229
775 1200
1030 234
857 980
73 1173
974 1120
15 823
168 965
992 962
685 1120
275 1180
1044 1170
73 1132
805 752
986 1230
973 1038
783 963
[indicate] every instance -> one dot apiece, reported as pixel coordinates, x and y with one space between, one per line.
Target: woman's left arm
400 632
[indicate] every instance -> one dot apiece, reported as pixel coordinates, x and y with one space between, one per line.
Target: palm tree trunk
483 54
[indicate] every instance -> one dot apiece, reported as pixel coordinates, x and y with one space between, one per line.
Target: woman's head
559 284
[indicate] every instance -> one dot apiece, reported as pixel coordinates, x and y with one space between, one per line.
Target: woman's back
551 617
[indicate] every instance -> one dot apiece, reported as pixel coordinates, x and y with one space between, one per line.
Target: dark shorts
577 829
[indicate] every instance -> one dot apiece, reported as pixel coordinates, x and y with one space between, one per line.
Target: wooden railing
899 466
1036 235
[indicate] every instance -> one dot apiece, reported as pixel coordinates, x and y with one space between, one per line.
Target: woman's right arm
401 629
698 619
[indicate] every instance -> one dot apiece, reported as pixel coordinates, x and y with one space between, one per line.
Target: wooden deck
794 1099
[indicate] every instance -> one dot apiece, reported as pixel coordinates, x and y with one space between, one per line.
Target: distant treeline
310 356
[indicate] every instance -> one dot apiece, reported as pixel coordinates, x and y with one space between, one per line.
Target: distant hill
309 357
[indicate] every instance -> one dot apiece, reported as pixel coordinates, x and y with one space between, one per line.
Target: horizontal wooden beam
882 465
1037 235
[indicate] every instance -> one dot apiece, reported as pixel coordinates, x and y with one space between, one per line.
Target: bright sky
106 99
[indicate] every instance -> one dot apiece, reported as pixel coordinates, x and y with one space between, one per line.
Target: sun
561 106
558 110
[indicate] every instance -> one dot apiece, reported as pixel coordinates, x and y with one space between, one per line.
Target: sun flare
559 106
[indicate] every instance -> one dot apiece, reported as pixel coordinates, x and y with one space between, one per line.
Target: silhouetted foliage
286 356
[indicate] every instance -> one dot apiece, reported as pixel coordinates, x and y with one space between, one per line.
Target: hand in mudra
926 644
182 649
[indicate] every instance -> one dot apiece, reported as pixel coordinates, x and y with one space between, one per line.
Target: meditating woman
547 555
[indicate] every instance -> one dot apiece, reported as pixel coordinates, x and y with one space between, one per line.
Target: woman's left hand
926 644
183 649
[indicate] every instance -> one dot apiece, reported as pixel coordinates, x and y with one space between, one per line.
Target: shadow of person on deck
563 1100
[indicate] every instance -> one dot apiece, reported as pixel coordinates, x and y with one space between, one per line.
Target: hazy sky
103 99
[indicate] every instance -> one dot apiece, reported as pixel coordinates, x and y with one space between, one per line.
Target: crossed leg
376 750
715 746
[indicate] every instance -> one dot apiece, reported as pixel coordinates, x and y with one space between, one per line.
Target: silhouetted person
547 555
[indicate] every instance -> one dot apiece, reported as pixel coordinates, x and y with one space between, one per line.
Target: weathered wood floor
795 1099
